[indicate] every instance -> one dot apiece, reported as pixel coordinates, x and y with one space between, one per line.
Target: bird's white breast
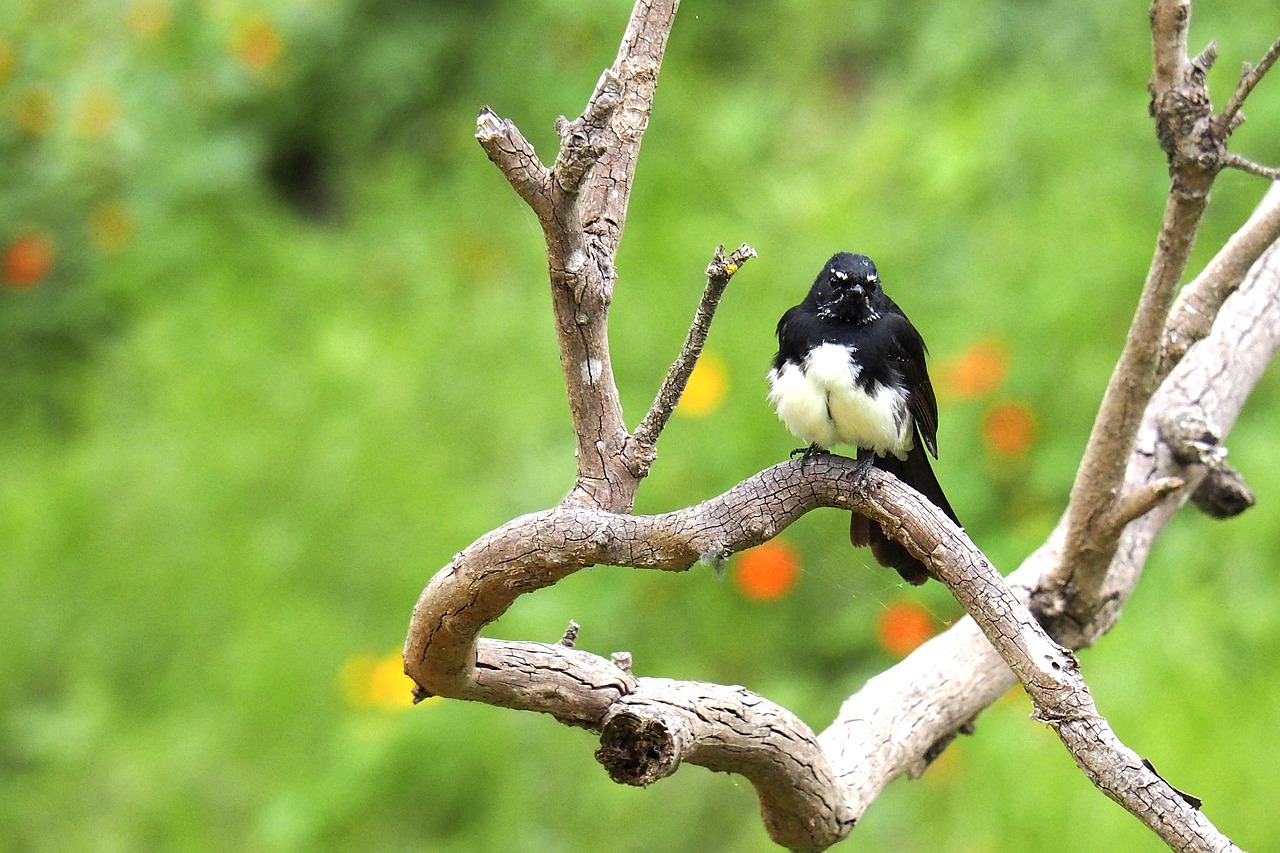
820 401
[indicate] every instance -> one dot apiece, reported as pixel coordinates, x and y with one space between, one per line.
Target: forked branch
1195 142
813 788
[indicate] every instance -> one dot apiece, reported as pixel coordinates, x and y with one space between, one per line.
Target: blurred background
275 343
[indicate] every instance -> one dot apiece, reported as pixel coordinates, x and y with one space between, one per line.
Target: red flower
27 261
767 572
903 626
1009 429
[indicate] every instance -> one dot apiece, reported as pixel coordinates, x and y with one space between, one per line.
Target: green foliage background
236 443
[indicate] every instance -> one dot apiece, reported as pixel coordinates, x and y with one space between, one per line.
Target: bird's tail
916 472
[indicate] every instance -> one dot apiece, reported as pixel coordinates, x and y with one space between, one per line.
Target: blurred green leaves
292 350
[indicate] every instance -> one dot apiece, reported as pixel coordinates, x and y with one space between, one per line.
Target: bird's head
847 288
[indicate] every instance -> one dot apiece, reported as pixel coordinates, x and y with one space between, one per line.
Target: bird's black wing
798 332
909 352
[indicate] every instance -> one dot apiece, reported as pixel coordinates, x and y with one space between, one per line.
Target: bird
850 370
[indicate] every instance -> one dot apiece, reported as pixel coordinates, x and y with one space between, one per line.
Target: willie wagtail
850 369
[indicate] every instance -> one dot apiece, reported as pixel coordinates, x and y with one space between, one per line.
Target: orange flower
27 261
767 572
904 626
1009 429
976 372
256 43
706 387
373 682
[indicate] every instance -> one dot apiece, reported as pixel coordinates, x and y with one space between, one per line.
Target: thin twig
719 272
1140 501
1226 122
1235 161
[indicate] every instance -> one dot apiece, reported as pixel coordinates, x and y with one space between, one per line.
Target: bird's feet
807 453
866 461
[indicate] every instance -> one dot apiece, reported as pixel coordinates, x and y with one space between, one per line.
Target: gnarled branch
812 789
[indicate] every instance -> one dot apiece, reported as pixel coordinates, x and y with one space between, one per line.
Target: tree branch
581 204
813 789
719 273
1187 131
1049 673
608 190
1140 501
515 157
1243 164
1192 314
650 732
1249 78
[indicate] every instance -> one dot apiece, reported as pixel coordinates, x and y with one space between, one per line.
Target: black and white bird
850 370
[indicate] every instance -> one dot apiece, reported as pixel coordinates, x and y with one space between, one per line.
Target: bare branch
608 189
1140 501
1185 128
1235 161
650 732
515 157
582 141
1249 78
581 203
1196 307
755 509
1170 23
1092 535
719 273
1180 105
1049 673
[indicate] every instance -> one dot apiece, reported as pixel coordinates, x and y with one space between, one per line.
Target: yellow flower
35 109
376 682
7 59
148 17
110 227
706 387
97 112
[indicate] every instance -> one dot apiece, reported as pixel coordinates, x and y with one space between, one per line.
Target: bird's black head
848 289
